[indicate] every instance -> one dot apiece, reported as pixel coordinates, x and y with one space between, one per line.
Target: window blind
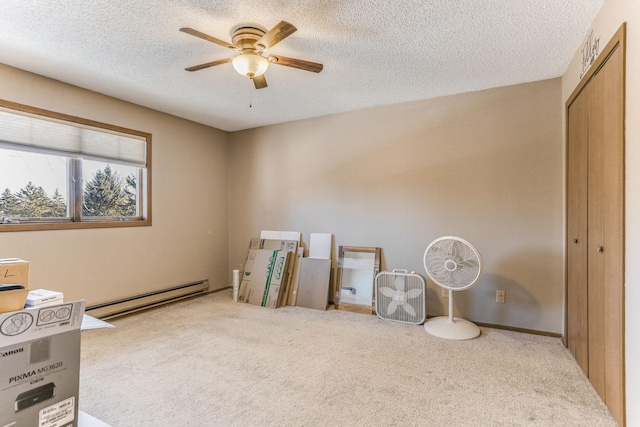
31 133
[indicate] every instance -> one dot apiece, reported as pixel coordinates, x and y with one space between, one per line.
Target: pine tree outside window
59 172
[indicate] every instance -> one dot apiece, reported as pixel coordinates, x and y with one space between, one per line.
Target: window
59 171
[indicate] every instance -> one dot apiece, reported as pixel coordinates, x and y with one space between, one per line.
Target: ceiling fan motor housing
245 38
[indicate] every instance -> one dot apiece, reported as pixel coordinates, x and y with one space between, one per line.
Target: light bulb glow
250 64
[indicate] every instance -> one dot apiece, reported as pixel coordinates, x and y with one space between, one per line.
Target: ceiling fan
251 42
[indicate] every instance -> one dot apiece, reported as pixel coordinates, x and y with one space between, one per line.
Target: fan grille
452 263
400 297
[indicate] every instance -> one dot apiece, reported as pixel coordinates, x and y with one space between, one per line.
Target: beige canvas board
313 286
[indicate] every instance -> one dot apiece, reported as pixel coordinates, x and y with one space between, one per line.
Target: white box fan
401 296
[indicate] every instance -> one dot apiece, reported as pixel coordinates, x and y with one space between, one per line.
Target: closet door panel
577 325
606 235
595 236
613 227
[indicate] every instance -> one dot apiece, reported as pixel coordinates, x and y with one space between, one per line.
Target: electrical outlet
444 293
500 295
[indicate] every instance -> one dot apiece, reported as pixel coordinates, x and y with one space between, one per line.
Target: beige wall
486 166
610 18
189 237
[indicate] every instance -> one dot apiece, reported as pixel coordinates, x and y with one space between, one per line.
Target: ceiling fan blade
281 31
260 82
208 38
208 64
296 63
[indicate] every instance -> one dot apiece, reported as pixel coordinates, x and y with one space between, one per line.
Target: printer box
40 359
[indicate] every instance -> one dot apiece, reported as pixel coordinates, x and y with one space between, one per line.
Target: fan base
459 329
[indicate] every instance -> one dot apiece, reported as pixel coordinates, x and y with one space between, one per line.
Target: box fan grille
400 296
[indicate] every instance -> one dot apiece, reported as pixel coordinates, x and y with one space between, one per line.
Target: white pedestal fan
453 264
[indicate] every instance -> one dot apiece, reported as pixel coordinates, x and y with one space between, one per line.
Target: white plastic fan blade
399 282
387 292
410 310
412 293
469 263
393 306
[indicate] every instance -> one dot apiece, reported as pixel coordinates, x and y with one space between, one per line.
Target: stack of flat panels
276 274
266 278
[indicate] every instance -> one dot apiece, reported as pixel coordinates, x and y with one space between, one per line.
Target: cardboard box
14 270
265 278
279 287
40 353
13 300
294 265
274 245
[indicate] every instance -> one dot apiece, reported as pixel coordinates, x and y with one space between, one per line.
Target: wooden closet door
577 325
595 236
595 225
606 233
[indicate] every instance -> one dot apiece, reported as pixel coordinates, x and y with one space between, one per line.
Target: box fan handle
401 270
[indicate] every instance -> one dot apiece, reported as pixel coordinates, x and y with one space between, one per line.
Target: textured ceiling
375 52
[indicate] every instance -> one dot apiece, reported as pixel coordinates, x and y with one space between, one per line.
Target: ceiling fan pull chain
250 103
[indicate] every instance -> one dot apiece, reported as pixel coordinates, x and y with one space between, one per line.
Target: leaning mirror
357 269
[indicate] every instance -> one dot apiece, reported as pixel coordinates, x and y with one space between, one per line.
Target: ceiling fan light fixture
250 64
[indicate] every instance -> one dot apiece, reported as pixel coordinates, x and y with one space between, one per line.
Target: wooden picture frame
357 269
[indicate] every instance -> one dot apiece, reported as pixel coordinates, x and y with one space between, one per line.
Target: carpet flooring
210 361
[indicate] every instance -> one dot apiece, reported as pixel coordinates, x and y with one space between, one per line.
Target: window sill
39 226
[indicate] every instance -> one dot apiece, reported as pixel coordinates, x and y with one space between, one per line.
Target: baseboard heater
130 305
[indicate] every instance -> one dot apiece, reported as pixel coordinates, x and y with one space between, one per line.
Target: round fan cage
453 264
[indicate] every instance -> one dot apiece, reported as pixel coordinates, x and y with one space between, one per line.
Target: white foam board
320 245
